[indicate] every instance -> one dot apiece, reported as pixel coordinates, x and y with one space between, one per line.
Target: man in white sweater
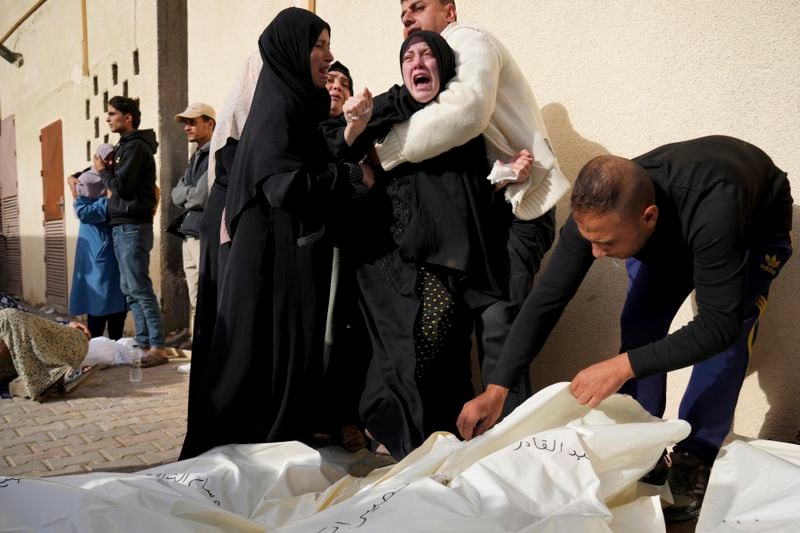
488 96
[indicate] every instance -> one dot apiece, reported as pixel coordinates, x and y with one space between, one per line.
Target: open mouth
422 81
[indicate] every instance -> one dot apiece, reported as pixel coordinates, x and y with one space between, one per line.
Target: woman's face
321 59
421 72
339 88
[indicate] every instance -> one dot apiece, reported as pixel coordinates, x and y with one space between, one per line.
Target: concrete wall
221 36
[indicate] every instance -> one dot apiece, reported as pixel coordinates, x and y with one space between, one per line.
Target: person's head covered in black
340 87
399 103
281 136
413 53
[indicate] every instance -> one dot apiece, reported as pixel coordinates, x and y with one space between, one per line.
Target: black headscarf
279 136
338 67
397 105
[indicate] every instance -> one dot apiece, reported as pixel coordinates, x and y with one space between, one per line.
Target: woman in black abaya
433 249
264 368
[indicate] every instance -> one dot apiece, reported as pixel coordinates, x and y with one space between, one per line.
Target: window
136 62
105 101
88 115
94 84
89 151
114 74
125 88
96 127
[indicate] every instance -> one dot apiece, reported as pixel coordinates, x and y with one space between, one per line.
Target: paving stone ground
108 424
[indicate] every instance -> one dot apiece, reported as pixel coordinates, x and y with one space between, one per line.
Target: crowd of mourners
344 251
344 282
354 246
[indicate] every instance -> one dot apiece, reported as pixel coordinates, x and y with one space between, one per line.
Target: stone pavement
107 424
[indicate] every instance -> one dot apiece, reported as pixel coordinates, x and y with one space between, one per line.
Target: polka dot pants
435 322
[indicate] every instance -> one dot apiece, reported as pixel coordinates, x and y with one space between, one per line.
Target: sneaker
185 368
688 479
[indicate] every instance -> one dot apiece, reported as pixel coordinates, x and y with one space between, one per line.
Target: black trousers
528 241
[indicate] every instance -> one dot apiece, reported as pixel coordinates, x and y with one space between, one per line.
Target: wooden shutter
55 256
10 248
11 259
8 158
53 172
55 242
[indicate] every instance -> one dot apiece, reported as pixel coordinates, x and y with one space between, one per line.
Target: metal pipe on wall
24 17
85 39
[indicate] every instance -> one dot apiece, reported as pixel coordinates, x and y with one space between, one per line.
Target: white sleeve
460 113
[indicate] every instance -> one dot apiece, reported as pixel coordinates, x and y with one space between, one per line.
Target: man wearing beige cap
191 192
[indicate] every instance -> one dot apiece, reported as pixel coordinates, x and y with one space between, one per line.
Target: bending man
711 214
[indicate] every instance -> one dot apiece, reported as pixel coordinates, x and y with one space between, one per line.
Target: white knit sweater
489 95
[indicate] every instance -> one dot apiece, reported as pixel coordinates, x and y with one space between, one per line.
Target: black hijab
280 134
397 105
338 67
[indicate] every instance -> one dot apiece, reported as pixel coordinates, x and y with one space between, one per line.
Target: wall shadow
572 148
775 355
588 330
777 351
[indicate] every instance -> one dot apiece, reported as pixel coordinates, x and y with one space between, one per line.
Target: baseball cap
197 109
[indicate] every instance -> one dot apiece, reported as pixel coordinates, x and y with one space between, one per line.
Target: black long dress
430 251
213 259
264 367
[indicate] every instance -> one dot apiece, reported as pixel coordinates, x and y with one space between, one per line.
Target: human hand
594 384
521 165
480 414
358 107
367 174
99 164
73 183
84 329
357 111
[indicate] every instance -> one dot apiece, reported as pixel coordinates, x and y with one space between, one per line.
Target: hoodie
133 179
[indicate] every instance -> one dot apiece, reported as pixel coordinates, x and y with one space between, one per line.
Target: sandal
75 378
352 439
154 357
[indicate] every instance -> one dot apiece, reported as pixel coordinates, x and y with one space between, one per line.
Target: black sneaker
688 479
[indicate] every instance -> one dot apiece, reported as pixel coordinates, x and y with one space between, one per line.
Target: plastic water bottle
135 371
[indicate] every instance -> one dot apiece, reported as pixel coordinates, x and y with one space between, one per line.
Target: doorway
55 241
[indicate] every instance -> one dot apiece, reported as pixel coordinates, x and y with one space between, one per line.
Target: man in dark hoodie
132 202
